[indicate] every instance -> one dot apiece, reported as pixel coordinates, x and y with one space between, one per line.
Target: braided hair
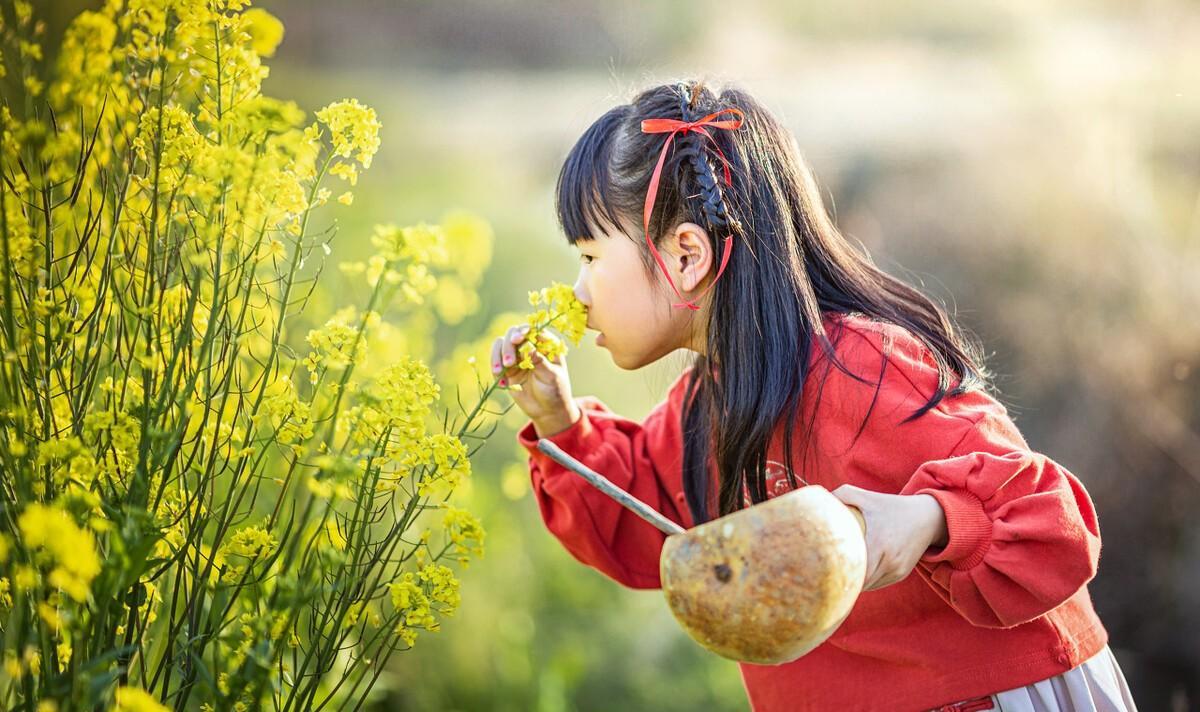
694 148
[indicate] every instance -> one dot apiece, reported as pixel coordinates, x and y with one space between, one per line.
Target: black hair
789 267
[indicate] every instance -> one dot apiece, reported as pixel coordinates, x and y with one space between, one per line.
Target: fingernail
508 359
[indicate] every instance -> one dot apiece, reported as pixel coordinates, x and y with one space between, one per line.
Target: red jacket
1004 604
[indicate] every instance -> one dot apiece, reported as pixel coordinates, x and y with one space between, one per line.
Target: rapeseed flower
353 128
250 542
191 419
266 31
135 699
72 550
464 531
448 456
558 309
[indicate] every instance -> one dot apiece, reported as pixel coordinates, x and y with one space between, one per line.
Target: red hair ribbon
672 127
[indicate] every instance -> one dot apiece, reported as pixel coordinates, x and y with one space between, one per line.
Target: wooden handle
606 486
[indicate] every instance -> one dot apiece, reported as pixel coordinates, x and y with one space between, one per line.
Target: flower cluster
557 308
402 398
353 128
69 550
354 132
161 440
464 531
250 542
135 699
446 455
416 597
334 346
289 415
405 256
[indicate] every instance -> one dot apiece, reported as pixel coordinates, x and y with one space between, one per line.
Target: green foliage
204 506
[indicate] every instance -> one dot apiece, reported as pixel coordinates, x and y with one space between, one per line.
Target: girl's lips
600 339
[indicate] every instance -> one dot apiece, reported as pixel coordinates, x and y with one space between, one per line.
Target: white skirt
1096 685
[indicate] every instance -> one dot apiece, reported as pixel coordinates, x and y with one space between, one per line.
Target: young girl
699 227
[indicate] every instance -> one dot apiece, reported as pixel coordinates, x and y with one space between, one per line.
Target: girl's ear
690 255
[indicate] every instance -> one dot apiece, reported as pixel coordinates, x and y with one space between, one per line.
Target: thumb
854 498
849 494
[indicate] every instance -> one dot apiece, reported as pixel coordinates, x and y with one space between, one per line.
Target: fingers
496 367
855 497
504 352
508 352
888 533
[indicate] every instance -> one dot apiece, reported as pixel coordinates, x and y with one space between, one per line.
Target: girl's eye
587 259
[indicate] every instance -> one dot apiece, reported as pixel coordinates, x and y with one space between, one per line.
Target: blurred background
1034 166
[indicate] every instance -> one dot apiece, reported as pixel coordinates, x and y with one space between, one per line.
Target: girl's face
631 309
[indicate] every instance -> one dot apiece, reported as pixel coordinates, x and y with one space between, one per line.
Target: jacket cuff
968 527
571 440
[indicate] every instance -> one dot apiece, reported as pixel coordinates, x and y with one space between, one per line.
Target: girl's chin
600 341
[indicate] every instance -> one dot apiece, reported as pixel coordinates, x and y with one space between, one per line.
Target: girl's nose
580 293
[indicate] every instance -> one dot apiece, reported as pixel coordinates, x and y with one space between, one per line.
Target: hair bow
672 127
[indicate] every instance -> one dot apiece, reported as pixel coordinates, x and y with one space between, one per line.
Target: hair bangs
583 198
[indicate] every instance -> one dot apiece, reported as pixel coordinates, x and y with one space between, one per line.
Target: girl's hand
545 390
899 530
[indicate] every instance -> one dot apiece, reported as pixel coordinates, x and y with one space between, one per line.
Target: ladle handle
606 486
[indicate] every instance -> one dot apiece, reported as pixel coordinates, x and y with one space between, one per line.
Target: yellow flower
328 489
250 542
50 616
12 665
25 577
64 654
448 455
453 301
71 548
414 606
443 587
353 128
421 244
406 392
23 10
288 414
274 249
337 344
559 310
464 530
345 171
135 699
266 31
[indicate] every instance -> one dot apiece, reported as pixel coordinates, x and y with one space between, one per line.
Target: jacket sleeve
1023 532
594 528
